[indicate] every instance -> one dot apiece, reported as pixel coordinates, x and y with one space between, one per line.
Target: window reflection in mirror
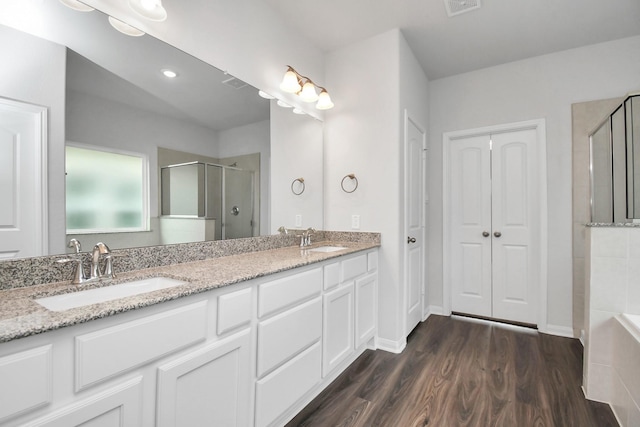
105 191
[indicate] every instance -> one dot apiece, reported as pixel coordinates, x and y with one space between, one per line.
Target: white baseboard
432 309
561 331
391 346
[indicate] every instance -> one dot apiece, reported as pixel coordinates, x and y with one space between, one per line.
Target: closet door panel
514 223
470 217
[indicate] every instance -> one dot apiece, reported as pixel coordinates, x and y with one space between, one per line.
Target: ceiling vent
456 7
234 83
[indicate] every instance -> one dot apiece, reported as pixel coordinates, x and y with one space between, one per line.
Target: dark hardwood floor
462 372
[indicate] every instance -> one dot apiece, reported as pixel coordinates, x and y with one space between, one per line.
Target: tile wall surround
585 117
625 388
612 273
39 270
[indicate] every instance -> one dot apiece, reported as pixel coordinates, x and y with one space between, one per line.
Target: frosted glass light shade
290 82
125 28
308 93
76 5
150 9
324 101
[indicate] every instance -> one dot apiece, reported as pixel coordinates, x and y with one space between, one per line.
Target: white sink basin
326 249
107 293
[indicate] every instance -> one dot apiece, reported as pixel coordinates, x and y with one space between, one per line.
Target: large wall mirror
206 136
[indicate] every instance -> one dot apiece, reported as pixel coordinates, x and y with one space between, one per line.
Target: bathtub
632 323
626 367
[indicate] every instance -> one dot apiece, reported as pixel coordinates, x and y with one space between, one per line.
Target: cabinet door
366 302
208 387
119 406
337 336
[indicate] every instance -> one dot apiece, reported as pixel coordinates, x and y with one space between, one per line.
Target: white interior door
470 225
22 211
414 221
493 226
514 222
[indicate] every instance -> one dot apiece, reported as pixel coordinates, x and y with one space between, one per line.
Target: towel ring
301 181
353 178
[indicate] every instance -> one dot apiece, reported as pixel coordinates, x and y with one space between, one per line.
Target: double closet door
494 226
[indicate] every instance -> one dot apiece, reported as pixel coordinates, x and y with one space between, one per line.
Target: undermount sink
108 293
326 249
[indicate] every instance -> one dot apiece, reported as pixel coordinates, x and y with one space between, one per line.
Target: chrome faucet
99 249
305 238
95 274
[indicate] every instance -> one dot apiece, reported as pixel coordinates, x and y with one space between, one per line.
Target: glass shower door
238 203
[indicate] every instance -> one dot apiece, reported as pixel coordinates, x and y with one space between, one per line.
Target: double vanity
233 340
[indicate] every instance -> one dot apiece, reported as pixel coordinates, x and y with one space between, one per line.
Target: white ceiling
500 31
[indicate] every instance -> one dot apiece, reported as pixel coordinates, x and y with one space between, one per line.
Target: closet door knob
485 234
411 239
497 234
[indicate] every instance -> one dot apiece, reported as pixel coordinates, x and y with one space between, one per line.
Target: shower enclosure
212 201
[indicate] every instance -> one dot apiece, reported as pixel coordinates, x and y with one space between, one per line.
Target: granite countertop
20 316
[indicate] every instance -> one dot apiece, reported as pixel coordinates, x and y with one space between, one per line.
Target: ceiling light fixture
149 9
76 5
170 74
125 28
305 88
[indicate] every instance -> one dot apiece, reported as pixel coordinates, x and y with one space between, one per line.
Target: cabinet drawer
282 388
353 267
372 261
234 310
331 275
111 351
288 333
25 381
287 291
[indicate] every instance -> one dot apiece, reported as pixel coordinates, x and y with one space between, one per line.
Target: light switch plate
298 220
355 222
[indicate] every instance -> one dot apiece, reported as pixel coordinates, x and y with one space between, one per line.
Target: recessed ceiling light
284 104
298 111
170 74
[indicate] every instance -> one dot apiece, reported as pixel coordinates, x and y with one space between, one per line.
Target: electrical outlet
298 220
355 222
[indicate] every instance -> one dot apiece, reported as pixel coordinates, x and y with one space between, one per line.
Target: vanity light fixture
265 95
305 88
125 28
283 104
149 9
76 5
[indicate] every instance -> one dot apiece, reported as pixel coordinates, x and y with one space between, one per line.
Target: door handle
411 239
497 234
485 234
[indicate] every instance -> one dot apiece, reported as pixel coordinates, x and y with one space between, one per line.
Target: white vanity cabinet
350 306
289 334
250 354
183 362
